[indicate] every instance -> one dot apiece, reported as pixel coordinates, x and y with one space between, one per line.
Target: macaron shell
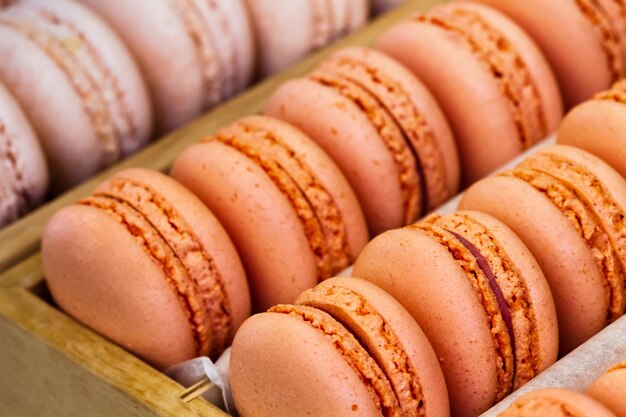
98 295
609 390
209 233
27 160
281 366
598 127
558 402
169 51
427 107
339 127
73 154
564 257
466 91
328 175
538 290
574 51
410 266
414 341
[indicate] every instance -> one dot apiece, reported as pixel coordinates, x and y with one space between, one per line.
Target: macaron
288 30
77 83
599 127
609 389
491 80
382 127
588 50
478 294
569 208
556 402
344 348
290 212
193 53
23 168
143 262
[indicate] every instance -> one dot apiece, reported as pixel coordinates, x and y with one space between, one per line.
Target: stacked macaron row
98 80
605 397
532 265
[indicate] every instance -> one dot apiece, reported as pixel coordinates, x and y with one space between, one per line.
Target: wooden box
51 365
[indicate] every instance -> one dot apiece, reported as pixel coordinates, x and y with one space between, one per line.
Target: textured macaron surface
371 340
591 208
502 291
609 389
557 402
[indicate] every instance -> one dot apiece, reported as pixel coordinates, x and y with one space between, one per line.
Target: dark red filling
484 266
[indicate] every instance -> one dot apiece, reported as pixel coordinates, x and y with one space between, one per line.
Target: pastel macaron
23 169
290 212
77 83
382 127
143 262
381 6
556 402
491 80
608 389
193 53
478 294
599 127
587 52
288 30
569 208
343 348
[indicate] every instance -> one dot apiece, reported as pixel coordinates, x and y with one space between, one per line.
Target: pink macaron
585 41
491 80
382 127
23 168
77 83
143 262
290 212
599 126
194 53
288 30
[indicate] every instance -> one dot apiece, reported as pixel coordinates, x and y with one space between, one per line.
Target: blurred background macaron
478 294
290 212
585 41
23 168
556 402
569 208
599 127
288 30
344 348
194 54
380 6
77 83
609 389
143 262
382 127
491 80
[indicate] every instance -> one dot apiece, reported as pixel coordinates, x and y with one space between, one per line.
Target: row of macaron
294 220
96 81
603 398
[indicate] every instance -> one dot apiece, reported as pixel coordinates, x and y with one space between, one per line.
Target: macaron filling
314 205
596 13
501 59
505 297
371 329
617 93
86 72
418 135
166 236
14 196
364 366
411 180
593 212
